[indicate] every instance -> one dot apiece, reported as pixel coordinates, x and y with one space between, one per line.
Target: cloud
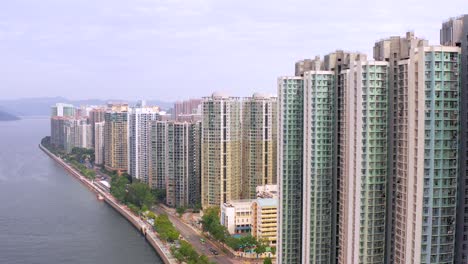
144 48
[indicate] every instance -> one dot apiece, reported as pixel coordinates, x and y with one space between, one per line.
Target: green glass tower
290 153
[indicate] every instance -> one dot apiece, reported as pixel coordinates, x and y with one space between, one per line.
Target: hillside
41 106
4 116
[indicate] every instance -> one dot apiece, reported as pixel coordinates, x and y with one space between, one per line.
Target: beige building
259 137
264 220
115 138
221 150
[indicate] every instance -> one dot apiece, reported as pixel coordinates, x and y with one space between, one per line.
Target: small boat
100 197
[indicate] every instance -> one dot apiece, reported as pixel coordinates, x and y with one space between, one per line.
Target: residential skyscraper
259 137
115 138
393 50
96 115
194 163
427 159
57 131
61 109
99 143
362 163
77 134
454 32
139 141
186 108
177 163
221 150
307 65
290 174
159 145
317 163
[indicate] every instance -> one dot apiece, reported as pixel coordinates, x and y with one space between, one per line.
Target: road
194 239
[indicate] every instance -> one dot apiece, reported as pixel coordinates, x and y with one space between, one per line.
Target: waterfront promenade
161 248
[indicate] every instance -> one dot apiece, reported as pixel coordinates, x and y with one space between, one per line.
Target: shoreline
139 224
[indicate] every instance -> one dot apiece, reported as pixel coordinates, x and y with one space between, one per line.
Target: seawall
139 224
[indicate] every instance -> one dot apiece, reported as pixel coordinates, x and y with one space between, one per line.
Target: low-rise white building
236 216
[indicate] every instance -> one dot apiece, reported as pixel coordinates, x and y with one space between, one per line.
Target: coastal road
194 239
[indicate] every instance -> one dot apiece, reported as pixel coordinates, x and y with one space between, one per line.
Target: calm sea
46 216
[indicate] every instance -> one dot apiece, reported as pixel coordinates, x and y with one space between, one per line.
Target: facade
309 153
236 216
363 166
427 164
290 154
265 220
99 143
177 164
60 112
57 131
159 145
194 163
175 161
139 142
454 32
318 155
188 107
307 65
115 138
77 134
65 110
221 150
259 137
393 50
96 115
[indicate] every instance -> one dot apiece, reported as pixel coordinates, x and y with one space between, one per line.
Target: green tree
151 215
273 250
212 225
180 210
118 188
140 195
267 260
165 229
159 195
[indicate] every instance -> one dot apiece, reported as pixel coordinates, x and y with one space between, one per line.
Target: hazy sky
177 49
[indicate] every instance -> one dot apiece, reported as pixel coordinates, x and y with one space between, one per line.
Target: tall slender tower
96 115
139 141
427 160
318 155
99 143
363 163
454 32
258 143
392 50
159 144
115 138
221 150
194 163
178 169
290 174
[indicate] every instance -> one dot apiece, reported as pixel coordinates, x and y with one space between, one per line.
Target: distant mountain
4 116
41 106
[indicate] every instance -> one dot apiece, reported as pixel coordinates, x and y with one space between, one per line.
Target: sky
178 49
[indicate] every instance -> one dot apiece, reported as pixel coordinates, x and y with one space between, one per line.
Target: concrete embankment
142 226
